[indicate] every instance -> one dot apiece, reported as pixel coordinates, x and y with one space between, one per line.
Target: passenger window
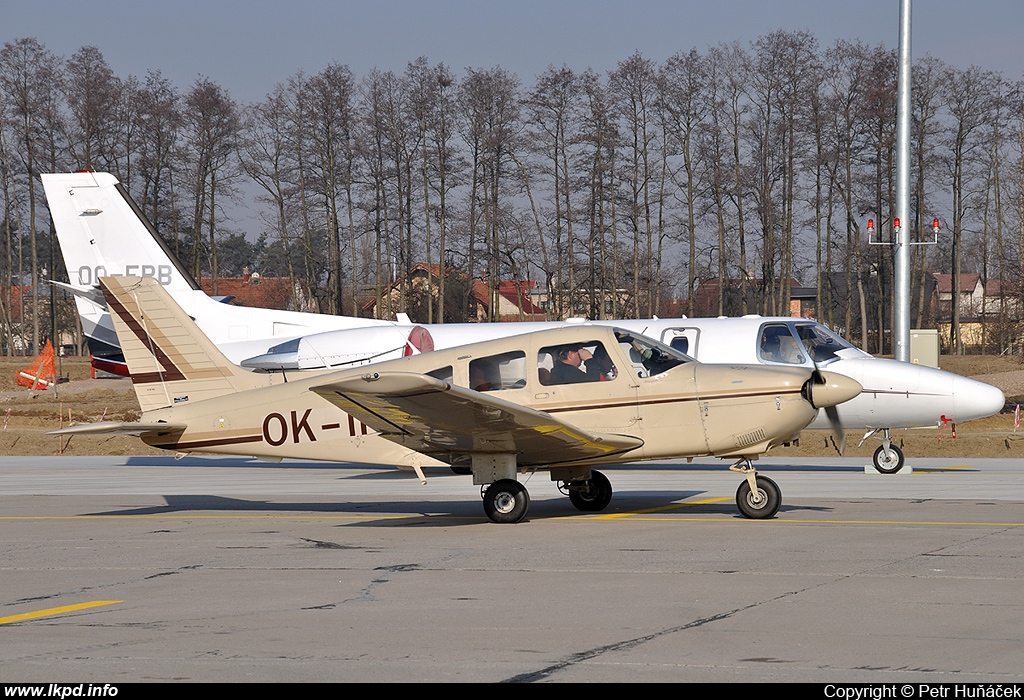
497 372
444 374
574 363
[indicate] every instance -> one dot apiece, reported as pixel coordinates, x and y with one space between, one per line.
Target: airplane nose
831 389
973 399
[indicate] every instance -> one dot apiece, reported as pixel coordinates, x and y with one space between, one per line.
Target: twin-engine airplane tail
102 232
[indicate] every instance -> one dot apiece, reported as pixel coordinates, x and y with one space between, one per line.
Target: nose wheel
762 503
758 497
888 460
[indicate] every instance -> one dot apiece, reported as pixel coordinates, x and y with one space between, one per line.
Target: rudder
170 360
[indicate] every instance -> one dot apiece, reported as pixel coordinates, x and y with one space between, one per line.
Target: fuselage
673 405
895 395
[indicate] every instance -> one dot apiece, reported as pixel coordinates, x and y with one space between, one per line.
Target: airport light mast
901 281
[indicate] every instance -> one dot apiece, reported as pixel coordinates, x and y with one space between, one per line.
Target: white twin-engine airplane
102 231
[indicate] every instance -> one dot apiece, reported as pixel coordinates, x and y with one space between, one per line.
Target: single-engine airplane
500 407
102 231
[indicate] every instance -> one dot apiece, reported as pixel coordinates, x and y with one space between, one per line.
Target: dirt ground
27 415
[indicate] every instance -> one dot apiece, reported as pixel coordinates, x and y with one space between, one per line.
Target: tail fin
102 231
170 360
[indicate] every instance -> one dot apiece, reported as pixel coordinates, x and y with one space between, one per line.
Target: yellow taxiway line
50 612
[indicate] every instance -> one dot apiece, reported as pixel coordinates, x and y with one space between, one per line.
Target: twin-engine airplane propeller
564 400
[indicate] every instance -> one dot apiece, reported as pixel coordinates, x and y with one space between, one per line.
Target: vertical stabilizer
170 360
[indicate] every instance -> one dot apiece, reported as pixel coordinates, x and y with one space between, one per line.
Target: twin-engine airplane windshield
812 344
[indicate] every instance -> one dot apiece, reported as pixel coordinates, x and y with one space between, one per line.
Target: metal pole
901 283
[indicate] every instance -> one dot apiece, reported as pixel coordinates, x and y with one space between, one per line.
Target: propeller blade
838 434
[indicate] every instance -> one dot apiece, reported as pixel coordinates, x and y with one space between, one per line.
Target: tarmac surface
126 569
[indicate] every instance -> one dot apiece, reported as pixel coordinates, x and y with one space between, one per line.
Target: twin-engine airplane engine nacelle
343 348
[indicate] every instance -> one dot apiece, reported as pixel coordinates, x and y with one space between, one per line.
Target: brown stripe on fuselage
197 444
655 402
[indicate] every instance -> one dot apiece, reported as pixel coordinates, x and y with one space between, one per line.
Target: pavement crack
589 654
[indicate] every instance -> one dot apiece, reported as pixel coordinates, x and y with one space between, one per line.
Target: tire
765 507
506 501
889 465
595 496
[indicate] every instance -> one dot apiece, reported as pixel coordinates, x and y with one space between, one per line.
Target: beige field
27 415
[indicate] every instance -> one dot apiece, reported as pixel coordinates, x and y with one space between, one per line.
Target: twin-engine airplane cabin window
574 363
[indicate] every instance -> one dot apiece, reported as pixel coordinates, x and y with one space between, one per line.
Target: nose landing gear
757 497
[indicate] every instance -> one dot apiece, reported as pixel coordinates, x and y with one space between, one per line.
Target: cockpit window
575 363
821 343
778 345
649 357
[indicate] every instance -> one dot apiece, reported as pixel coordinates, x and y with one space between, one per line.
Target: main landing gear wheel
888 462
592 495
506 501
763 504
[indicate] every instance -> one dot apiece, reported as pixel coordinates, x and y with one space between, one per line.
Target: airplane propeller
826 390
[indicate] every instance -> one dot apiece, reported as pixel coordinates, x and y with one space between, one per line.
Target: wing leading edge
436 418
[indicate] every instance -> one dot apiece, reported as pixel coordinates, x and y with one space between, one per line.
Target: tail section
102 231
170 360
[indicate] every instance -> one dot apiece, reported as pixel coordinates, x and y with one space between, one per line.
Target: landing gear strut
888 459
758 497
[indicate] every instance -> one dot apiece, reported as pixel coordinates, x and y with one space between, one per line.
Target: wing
436 418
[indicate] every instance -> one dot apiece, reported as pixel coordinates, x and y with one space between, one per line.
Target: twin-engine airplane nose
973 399
827 389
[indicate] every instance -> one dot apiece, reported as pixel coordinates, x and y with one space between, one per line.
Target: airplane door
596 387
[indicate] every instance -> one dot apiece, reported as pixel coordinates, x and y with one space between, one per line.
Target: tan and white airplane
563 400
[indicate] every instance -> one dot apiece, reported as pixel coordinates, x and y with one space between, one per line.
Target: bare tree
685 104
633 85
968 97
550 117
93 94
213 124
29 78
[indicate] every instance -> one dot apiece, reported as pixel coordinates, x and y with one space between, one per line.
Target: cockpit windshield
649 357
822 345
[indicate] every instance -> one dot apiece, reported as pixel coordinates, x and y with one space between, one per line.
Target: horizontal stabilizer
117 428
93 294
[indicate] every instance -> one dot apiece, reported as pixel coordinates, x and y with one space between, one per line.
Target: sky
247 47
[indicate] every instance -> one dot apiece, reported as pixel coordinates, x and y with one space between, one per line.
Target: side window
777 344
574 363
497 372
444 374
